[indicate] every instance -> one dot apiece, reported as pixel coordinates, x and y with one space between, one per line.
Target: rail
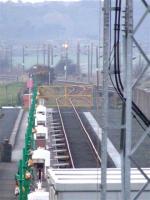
64 131
87 134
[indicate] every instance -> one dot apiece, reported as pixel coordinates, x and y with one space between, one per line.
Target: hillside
47 21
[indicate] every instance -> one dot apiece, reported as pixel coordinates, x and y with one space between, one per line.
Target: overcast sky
37 1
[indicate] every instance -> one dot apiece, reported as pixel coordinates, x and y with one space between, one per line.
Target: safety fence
24 175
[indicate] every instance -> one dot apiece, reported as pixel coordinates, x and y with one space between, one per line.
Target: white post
65 69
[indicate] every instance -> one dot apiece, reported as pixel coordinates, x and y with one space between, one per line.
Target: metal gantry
147 131
127 156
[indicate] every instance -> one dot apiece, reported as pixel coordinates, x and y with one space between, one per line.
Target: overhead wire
118 86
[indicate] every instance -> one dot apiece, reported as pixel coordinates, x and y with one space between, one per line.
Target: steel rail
64 131
87 134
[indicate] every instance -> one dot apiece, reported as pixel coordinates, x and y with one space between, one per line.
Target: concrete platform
85 184
8 170
7 122
7 180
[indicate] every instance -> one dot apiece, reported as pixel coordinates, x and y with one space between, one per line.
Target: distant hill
59 21
51 20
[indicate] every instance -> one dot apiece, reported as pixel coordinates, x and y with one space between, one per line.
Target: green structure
24 175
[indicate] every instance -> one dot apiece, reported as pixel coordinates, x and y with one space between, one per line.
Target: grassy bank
9 93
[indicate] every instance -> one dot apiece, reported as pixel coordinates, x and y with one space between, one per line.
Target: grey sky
36 1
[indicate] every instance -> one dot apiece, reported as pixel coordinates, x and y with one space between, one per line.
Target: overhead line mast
106 56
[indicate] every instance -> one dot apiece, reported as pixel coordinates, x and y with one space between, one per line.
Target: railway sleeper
59 145
62 165
58 140
55 131
62 157
54 123
54 127
60 150
57 135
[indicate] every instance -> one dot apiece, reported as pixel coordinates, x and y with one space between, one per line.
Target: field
9 93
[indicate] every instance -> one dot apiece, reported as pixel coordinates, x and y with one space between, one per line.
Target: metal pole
97 68
78 59
37 54
88 63
128 96
129 20
30 94
6 57
48 56
48 63
11 57
140 62
44 52
123 131
91 70
100 32
106 56
66 70
23 58
52 55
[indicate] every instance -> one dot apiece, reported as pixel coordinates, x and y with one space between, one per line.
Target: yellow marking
81 95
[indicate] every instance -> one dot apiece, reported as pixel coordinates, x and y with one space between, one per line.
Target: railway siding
83 142
81 152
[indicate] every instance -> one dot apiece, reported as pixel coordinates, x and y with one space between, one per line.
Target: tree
71 67
52 75
41 74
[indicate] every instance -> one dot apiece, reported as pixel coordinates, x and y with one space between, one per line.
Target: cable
134 116
118 81
119 86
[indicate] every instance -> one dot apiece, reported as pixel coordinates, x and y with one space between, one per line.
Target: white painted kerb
112 151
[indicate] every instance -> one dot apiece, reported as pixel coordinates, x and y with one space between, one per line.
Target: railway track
65 136
79 149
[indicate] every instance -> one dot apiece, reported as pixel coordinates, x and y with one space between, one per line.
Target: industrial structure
74 147
125 179
123 82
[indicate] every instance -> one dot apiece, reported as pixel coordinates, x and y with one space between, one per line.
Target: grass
9 93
